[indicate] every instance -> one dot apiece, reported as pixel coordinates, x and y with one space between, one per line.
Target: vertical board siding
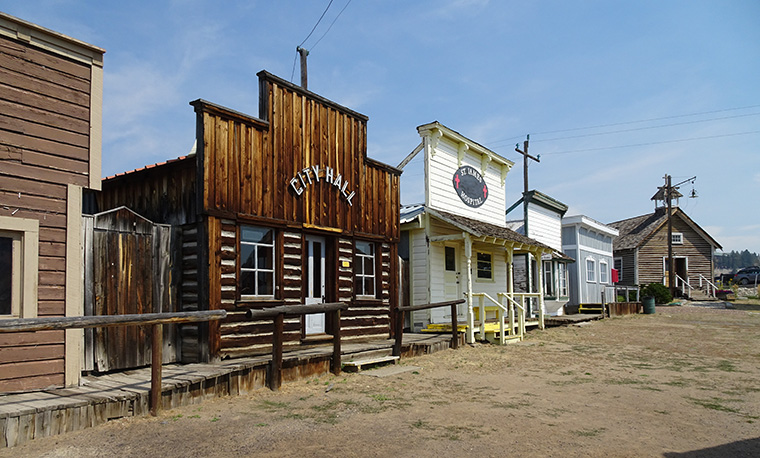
44 146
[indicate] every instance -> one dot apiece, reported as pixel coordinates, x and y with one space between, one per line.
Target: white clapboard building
457 245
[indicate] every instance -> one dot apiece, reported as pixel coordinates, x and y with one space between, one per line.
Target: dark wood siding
44 146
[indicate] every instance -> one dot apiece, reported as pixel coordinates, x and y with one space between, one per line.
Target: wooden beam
446 238
157 342
74 322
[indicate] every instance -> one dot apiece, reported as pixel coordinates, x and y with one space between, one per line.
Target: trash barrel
648 303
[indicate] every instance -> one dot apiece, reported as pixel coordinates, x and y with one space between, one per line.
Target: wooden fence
409 308
156 320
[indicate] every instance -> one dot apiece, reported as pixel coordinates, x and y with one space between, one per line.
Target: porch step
357 365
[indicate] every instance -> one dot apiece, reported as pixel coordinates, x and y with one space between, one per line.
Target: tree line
736 260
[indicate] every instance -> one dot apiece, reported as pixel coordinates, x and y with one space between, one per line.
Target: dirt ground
684 382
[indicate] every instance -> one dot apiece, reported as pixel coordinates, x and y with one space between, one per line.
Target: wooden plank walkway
25 416
564 320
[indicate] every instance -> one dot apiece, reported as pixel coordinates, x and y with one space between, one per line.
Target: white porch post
511 289
470 314
541 305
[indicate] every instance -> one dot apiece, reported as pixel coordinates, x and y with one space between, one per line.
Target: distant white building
590 243
457 244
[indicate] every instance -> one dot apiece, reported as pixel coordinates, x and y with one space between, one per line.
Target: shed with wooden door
50 136
280 209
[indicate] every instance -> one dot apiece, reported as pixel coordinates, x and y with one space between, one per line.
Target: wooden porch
98 399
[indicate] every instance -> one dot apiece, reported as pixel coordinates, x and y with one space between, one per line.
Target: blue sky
614 94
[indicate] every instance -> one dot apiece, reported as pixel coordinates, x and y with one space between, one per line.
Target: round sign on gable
470 186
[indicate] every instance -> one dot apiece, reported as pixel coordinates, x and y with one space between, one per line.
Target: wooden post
399 336
454 326
336 362
157 342
275 368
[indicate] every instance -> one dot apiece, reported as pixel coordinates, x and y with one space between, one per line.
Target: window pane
369 266
255 234
358 266
264 257
6 275
247 260
246 283
316 270
364 248
451 262
358 285
265 284
369 286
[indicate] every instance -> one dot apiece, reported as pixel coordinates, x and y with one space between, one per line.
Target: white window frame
604 272
25 234
548 277
676 238
477 267
256 269
591 273
359 273
562 279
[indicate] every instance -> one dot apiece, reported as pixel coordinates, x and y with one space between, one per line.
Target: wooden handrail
409 308
294 310
278 314
104 321
156 320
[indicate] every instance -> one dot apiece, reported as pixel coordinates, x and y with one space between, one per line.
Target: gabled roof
635 231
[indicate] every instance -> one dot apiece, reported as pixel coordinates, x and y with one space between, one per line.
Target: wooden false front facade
283 209
50 128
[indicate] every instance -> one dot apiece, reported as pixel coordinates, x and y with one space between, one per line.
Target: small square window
256 262
677 238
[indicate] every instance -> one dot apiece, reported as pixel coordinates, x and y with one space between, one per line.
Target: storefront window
364 269
548 281
256 262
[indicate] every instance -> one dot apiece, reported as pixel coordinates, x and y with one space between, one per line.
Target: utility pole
304 76
668 194
526 156
671 267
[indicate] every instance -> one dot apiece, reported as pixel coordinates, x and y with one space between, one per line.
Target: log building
281 209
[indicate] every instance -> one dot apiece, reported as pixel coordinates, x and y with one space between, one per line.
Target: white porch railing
681 284
709 287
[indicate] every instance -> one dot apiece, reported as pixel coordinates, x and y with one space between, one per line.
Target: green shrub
658 291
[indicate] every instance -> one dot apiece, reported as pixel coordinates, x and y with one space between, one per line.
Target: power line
655 143
623 123
645 128
331 24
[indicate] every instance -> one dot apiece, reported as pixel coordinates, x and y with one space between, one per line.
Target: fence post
336 362
275 369
157 342
454 326
399 332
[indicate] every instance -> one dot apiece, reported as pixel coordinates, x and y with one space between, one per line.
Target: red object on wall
615 277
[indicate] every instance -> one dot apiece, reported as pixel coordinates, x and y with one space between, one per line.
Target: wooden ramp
25 416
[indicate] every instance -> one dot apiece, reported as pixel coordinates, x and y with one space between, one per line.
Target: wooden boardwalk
565 320
25 416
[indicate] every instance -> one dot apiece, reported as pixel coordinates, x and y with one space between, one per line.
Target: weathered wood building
281 209
50 150
641 250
